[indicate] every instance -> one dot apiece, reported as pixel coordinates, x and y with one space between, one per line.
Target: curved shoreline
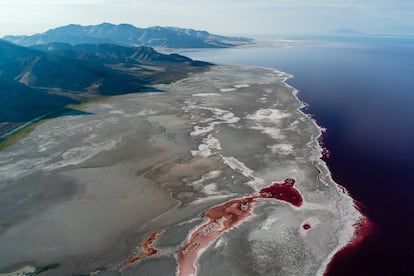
213 125
363 225
357 225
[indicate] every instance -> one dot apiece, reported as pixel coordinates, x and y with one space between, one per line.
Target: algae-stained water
363 93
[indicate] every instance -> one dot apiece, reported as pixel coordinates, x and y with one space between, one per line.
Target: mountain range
129 35
39 79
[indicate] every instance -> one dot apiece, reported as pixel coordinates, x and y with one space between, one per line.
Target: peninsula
218 173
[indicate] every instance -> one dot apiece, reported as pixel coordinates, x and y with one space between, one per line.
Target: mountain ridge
44 78
130 35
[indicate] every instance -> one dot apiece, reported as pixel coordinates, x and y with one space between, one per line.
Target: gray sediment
85 191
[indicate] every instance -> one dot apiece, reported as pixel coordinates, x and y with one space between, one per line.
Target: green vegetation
80 73
22 133
83 105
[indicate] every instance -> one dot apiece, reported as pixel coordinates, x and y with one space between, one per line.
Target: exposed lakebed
127 188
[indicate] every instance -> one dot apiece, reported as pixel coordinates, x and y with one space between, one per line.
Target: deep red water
223 217
220 219
306 226
284 192
362 92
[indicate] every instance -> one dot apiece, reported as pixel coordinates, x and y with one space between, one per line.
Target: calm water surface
363 93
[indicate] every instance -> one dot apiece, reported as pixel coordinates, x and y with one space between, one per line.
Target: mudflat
120 188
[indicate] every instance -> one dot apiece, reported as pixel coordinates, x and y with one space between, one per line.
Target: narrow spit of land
219 173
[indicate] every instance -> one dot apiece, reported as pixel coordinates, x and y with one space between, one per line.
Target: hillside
38 80
129 35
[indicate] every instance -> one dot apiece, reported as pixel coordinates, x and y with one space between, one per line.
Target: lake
363 93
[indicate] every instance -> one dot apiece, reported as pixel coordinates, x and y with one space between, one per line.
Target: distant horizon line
275 35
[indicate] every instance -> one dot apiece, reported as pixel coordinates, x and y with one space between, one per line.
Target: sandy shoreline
150 162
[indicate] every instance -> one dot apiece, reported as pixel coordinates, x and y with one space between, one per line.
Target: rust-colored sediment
146 249
220 218
133 260
223 217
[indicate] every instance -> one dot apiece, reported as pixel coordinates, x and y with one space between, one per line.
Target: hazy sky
248 17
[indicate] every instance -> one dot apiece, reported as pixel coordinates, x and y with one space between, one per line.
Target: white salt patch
227 89
273 132
205 95
316 206
220 243
264 117
241 86
116 112
147 112
209 198
47 144
224 117
209 147
210 189
198 130
78 155
220 114
238 166
281 148
268 223
267 115
294 123
256 183
205 177
127 115
212 174
20 168
206 120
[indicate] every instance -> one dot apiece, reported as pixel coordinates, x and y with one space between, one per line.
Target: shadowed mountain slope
129 35
37 80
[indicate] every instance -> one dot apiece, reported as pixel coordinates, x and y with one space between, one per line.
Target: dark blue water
363 93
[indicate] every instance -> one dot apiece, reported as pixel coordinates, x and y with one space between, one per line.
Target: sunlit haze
256 18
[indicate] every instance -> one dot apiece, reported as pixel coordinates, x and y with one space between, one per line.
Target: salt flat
86 191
